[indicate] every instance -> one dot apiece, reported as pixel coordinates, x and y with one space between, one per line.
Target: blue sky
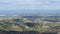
29 4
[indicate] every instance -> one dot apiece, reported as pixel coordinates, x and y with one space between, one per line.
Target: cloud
29 4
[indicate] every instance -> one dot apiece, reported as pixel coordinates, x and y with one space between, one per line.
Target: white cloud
29 4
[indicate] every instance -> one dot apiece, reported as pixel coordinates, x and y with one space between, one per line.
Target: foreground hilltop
39 23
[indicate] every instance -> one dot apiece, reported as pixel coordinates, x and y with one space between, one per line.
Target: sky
29 4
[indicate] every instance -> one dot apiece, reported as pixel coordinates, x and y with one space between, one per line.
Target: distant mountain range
28 11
